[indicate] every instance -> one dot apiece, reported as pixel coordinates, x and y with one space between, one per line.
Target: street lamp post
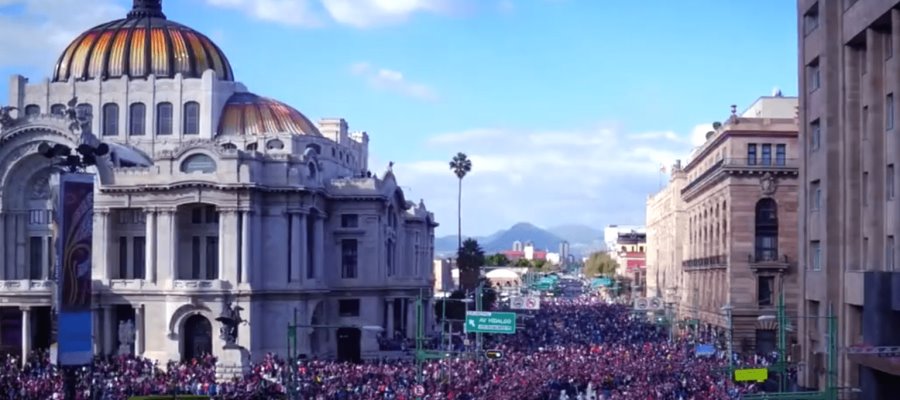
727 308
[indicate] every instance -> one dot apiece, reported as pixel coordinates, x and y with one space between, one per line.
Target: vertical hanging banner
74 231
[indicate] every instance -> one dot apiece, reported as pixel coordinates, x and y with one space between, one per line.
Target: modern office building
210 195
849 73
722 234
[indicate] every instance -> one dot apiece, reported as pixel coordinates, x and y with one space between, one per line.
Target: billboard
73 235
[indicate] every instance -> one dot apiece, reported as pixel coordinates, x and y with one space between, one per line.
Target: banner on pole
74 236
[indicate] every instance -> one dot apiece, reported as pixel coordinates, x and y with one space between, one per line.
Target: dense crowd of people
572 348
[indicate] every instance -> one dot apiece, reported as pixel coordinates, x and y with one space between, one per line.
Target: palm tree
461 166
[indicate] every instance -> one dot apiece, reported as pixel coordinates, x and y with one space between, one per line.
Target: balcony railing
705 262
767 258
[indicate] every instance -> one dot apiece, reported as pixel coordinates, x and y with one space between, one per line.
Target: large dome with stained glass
142 44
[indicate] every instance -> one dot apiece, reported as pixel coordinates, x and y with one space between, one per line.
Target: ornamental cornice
206 145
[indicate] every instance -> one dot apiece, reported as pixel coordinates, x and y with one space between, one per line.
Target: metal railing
711 261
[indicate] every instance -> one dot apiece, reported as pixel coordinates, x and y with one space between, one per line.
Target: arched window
229 146
110 119
766 230
192 118
275 144
315 147
198 163
84 109
164 119
32 110
311 171
58 109
252 147
137 119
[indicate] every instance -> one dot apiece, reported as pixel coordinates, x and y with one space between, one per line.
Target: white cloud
355 13
591 176
285 12
698 134
392 81
37 35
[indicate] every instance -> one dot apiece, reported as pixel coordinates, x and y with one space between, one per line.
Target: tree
455 310
600 263
523 263
540 264
469 260
497 260
461 166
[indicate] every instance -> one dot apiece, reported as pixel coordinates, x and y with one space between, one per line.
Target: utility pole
419 334
478 307
728 333
782 343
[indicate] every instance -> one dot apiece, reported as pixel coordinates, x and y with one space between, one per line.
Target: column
109 331
297 256
96 326
256 240
303 250
167 249
150 241
3 274
139 330
246 246
229 246
21 248
100 244
390 318
223 232
26 333
319 246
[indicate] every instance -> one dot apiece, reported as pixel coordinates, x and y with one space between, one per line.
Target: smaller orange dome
249 114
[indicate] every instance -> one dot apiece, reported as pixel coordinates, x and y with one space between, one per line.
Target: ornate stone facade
724 229
194 207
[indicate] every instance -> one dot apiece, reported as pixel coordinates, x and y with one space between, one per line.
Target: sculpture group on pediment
6 118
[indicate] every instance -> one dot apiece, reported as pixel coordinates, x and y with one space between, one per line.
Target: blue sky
567 107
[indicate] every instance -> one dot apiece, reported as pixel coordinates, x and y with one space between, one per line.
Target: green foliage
469 260
600 263
461 165
497 260
455 309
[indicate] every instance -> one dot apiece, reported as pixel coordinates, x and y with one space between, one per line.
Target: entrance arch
196 337
349 345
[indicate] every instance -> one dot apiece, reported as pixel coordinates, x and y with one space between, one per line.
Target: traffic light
493 354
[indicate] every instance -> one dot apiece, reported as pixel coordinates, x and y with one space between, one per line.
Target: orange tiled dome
144 43
249 114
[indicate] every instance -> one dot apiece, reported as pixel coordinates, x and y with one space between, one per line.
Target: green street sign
490 322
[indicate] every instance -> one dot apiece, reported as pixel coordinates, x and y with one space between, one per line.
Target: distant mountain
583 240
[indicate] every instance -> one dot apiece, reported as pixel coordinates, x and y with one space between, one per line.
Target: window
198 163
84 109
349 258
164 119
888 45
274 144
865 189
32 110
349 221
192 118
864 124
889 182
765 289
137 119
865 256
212 258
889 112
138 256
815 255
889 253
815 200
766 227
58 109
348 308
813 75
123 257
780 154
766 154
815 135
751 154
195 257
811 19
36 257
110 119
389 257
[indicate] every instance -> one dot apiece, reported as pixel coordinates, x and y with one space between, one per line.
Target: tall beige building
723 232
849 75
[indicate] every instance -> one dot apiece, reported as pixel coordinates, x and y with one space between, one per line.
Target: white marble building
210 194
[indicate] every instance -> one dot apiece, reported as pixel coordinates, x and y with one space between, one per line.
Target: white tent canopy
502 273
